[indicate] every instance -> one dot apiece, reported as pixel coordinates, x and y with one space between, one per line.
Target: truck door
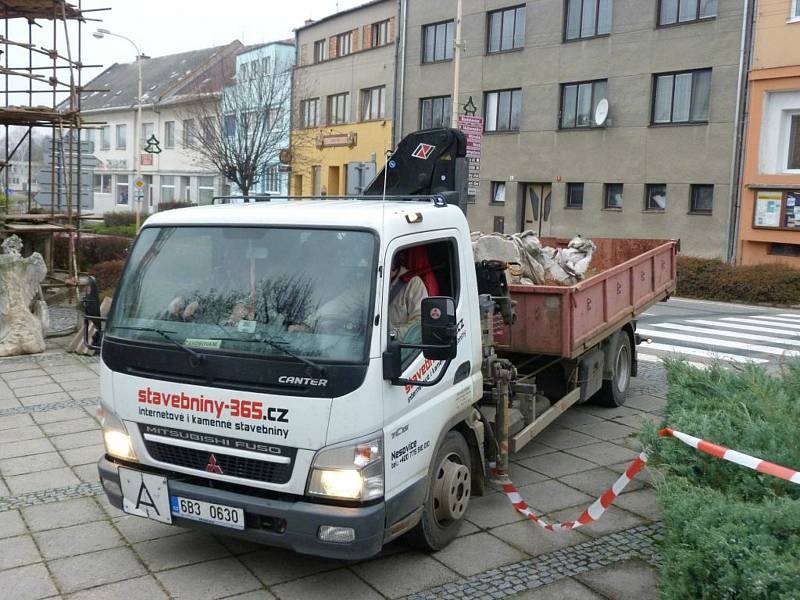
415 416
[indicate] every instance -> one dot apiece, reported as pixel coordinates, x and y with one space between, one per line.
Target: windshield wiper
278 346
195 358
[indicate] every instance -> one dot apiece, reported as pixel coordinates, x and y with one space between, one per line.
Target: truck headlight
353 471
115 436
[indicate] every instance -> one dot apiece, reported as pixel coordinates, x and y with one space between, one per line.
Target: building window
671 12
795 10
784 249
373 103
102 183
167 188
506 29
272 179
320 50
682 97
229 122
579 103
502 110
574 195
205 190
186 188
613 196
437 42
435 112
344 43
498 192
793 159
105 138
702 199
188 132
309 112
169 134
147 131
337 108
88 135
122 135
380 33
122 189
587 18
655 196
208 127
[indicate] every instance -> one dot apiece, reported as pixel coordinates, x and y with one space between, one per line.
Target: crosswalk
758 338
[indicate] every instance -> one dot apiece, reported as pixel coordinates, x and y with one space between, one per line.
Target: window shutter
333 47
367 36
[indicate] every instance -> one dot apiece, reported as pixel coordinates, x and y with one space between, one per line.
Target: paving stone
257 595
576 417
645 402
561 438
48 398
237 546
563 589
9 401
613 520
14 449
83 456
213 579
87 473
605 412
37 390
81 384
3 489
78 539
276 565
532 449
30 464
607 430
64 414
14 421
630 580
96 568
179 550
321 587
20 434
11 524
69 372
77 440
557 464
522 475
548 496
27 583
398 576
22 374
138 529
84 394
532 539
18 551
141 588
26 382
648 475
596 481
466 528
642 502
41 480
638 420
475 553
71 426
62 514
491 510
604 453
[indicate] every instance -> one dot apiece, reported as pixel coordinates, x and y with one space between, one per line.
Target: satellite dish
601 112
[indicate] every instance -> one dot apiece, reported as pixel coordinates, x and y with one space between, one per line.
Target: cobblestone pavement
59 537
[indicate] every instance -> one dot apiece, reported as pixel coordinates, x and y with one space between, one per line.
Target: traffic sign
138 183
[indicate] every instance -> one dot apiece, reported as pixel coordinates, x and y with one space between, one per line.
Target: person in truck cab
406 293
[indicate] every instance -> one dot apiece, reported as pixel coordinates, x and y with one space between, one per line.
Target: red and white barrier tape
744 460
599 506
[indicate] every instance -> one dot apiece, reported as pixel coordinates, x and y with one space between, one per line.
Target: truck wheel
448 495
615 389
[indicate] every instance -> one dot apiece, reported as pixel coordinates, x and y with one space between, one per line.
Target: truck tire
449 487
615 389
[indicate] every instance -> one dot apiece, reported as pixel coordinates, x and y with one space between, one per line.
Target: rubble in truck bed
531 263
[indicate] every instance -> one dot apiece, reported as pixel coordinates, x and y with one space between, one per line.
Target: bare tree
241 130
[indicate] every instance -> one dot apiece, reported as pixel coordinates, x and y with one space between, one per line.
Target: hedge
93 249
711 279
171 205
122 217
107 275
730 532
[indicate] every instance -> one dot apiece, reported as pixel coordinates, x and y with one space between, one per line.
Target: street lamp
100 34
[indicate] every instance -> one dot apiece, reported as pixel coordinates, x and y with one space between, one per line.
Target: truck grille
233 466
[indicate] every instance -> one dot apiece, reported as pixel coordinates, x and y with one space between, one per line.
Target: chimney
308 22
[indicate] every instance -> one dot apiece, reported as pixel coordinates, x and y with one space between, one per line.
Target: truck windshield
254 290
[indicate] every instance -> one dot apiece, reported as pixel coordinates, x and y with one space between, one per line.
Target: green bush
730 531
107 274
122 217
93 249
171 205
712 279
121 230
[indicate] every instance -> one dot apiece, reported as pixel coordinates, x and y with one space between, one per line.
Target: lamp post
137 168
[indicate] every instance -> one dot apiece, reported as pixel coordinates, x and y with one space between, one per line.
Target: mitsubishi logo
423 151
212 466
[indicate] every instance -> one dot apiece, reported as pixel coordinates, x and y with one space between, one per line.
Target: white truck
252 384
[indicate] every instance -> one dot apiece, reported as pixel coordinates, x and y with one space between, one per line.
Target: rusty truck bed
567 320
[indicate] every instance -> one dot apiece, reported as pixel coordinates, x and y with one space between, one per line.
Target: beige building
343 99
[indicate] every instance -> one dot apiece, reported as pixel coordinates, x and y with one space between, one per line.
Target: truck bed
565 321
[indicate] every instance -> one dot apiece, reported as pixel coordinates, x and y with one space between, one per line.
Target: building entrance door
537 200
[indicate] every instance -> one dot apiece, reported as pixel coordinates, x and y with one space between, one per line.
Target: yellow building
343 100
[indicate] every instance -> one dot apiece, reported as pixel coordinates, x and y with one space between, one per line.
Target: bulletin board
777 209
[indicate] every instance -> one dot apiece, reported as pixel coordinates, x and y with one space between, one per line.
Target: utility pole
458 44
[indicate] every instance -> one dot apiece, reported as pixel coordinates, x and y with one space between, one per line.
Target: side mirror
439 330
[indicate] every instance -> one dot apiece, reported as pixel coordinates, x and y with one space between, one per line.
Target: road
705 332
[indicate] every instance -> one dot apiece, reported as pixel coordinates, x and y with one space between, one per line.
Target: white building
169 86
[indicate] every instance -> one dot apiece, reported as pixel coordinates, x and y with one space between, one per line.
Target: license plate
207 512
145 495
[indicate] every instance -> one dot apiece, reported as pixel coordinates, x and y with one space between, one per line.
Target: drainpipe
399 69
742 102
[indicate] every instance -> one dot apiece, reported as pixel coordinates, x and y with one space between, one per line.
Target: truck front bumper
300 521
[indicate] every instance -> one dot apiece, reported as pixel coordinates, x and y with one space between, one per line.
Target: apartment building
343 96
769 215
170 85
601 117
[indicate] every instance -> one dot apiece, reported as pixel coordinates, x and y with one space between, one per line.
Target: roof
251 47
161 76
339 14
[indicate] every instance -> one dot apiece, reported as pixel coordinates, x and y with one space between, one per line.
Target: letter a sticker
145 499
